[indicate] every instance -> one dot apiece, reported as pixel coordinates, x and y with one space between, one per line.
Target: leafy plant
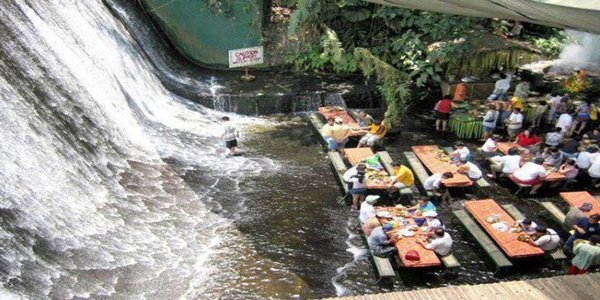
393 85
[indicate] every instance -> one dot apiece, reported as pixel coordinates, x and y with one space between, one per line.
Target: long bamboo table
332 112
482 209
504 147
356 155
576 199
428 258
428 156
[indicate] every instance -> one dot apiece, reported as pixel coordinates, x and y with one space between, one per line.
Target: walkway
558 287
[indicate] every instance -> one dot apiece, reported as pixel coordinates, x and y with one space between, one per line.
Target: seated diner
506 164
439 241
545 238
376 131
531 173
380 243
470 169
490 147
529 139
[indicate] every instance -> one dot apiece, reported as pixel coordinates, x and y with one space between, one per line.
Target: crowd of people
569 147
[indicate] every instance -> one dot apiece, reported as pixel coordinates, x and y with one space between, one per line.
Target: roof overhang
582 15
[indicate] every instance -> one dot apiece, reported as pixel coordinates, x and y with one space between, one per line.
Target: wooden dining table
428 156
576 199
356 155
507 240
428 258
332 112
503 147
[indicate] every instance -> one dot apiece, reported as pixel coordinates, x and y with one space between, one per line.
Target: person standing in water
230 135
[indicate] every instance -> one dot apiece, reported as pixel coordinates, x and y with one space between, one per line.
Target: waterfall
312 101
89 207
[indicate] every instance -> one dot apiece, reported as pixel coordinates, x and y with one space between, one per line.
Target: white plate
408 233
384 214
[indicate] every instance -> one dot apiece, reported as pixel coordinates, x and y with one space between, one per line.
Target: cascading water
89 208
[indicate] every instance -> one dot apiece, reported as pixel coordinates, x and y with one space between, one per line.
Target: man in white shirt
585 158
442 244
514 122
506 164
491 145
367 210
461 151
594 171
565 121
434 182
531 173
545 238
470 169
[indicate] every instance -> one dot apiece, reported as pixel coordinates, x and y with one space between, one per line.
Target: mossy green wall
203 34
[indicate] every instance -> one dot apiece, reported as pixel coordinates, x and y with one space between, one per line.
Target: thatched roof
487 42
487 53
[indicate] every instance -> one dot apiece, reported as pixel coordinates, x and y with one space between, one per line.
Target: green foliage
551 46
393 85
307 11
327 56
384 42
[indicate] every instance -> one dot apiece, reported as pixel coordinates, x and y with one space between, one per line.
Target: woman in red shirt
443 108
528 139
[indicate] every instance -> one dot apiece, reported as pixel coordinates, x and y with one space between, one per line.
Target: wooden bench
556 214
386 161
317 124
339 168
520 185
418 169
481 182
556 254
450 261
382 265
499 259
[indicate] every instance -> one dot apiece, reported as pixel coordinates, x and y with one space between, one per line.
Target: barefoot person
443 108
359 185
230 135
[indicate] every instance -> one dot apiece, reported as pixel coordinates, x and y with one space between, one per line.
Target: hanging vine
393 85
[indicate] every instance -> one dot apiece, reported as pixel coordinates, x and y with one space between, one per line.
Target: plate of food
384 214
408 233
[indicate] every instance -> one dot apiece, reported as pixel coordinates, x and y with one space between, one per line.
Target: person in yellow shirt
403 177
516 102
377 131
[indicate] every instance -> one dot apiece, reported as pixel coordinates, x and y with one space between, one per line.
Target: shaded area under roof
583 15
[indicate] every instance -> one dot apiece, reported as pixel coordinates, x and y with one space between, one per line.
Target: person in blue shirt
584 228
423 205
381 244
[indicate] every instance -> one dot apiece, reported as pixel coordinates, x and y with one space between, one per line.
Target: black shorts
231 144
443 116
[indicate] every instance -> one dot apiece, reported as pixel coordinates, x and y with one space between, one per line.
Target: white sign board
246 57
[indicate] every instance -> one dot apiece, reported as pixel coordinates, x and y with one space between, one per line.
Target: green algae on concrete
205 32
